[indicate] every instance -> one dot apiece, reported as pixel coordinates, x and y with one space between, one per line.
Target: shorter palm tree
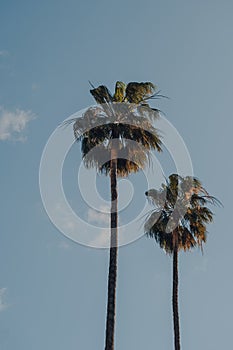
178 222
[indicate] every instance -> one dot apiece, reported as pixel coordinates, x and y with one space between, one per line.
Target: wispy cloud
4 53
64 245
14 123
100 217
3 304
35 86
102 239
64 217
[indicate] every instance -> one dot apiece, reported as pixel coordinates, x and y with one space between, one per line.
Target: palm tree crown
125 117
181 205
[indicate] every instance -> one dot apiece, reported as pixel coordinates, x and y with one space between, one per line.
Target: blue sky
52 290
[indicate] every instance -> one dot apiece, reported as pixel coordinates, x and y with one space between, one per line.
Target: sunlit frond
138 92
119 94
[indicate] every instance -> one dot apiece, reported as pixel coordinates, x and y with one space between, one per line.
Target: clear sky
52 290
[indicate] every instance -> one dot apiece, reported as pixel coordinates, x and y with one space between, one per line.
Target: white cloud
99 217
3 305
93 232
102 239
65 217
64 245
13 124
103 233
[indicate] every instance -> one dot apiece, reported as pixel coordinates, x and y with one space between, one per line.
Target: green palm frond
119 94
139 92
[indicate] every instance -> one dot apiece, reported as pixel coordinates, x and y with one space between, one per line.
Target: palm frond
119 94
156 96
138 92
101 94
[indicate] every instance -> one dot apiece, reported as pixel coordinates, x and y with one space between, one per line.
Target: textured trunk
112 276
175 293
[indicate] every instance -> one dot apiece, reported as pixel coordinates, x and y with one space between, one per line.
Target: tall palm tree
116 137
178 222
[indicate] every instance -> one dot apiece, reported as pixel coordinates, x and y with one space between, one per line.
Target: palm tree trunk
112 275
175 295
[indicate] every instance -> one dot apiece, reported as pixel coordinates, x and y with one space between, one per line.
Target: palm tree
178 222
116 138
